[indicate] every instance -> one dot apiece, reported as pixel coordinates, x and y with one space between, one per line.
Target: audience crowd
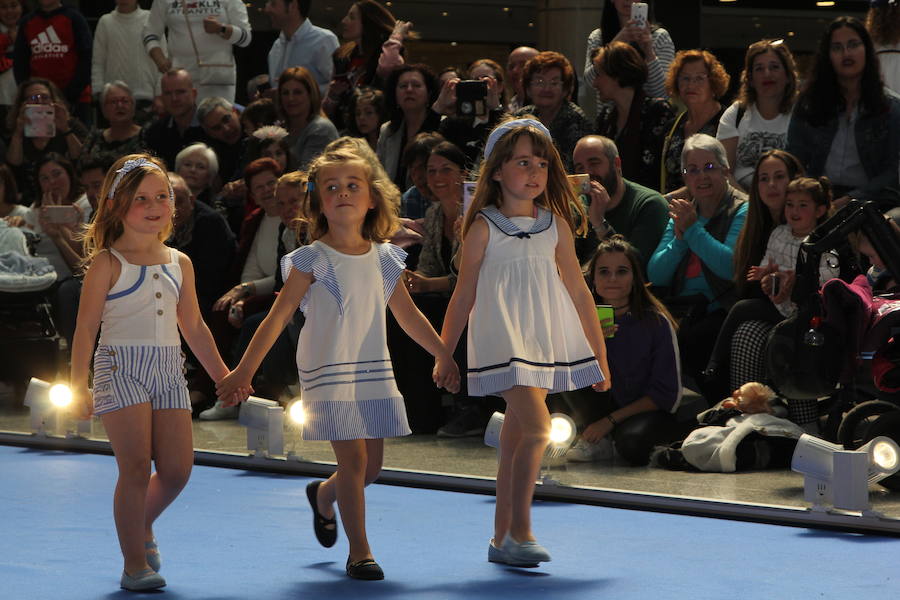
695 217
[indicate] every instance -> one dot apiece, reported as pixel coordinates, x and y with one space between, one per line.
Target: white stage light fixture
296 418
264 420
840 478
562 433
50 410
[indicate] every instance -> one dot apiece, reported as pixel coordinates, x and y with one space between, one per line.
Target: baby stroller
29 343
841 343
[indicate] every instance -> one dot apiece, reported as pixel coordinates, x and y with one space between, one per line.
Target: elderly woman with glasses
548 80
123 136
693 262
697 79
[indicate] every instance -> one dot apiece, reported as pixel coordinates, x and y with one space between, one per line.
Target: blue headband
131 165
505 128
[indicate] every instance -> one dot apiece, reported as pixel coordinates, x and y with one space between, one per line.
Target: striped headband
131 165
505 128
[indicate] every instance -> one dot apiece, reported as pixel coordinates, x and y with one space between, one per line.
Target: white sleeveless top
141 307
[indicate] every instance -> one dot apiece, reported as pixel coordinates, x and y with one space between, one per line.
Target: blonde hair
382 220
558 196
107 226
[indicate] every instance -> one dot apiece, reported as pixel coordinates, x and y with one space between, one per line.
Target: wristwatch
222 30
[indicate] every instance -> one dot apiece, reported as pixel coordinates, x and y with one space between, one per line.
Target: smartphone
468 194
639 12
607 317
776 284
62 215
40 120
581 186
471 98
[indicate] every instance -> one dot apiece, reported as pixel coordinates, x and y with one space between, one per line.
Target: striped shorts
129 375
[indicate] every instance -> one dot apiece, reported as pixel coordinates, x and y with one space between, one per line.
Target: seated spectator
202 234
119 55
765 211
469 132
271 141
515 68
259 113
758 121
199 166
417 198
255 263
222 124
617 205
299 105
883 24
25 151
199 40
652 41
91 174
637 414
845 125
637 123
697 80
368 112
369 31
10 13
692 266
167 135
446 74
410 92
549 81
123 136
808 204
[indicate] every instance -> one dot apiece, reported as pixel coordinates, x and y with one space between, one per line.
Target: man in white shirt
300 43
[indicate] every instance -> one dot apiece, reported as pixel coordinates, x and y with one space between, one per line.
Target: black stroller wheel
888 425
853 431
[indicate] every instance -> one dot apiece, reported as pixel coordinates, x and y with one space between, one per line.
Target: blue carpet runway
238 535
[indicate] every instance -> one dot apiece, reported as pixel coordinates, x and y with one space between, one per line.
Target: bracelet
223 29
612 420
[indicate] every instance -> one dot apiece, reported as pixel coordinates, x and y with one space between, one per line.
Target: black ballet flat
366 569
326 529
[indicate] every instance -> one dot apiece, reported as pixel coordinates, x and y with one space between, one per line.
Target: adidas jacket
57 46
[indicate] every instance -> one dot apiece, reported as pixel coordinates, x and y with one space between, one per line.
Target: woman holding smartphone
26 148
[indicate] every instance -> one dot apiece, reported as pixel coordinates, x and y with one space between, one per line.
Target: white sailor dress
524 329
345 370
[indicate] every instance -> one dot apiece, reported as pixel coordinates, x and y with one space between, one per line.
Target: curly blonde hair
381 221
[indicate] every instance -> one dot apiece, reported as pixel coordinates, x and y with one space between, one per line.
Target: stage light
295 412
264 420
50 414
562 433
840 478
296 418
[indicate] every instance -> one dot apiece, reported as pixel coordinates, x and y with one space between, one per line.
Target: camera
470 98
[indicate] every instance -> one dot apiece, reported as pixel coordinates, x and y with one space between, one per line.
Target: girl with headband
143 293
533 329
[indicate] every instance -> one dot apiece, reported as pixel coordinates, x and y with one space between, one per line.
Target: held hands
234 388
446 373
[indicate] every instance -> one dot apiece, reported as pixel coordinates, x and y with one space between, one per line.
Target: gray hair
107 87
702 141
210 104
212 160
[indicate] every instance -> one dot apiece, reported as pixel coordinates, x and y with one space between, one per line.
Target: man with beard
616 204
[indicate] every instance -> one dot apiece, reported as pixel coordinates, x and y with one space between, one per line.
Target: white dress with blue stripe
524 329
346 375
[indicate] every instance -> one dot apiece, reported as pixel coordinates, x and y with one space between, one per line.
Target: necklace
620 307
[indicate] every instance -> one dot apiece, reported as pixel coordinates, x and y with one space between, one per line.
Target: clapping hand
683 215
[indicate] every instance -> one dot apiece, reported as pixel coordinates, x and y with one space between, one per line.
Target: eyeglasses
693 171
548 83
125 101
689 79
849 46
39 98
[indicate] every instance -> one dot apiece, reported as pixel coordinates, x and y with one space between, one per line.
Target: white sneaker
219 412
585 451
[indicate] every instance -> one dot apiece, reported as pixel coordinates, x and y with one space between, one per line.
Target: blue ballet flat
148 579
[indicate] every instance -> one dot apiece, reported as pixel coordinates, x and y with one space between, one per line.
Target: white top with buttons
141 307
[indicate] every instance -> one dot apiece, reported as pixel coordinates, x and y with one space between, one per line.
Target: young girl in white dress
533 328
342 282
144 293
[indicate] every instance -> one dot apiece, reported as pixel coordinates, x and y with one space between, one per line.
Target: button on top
159 312
158 295
156 276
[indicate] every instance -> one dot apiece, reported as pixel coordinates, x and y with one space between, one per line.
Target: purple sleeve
664 381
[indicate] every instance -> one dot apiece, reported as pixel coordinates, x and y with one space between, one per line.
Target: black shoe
366 569
326 529
468 423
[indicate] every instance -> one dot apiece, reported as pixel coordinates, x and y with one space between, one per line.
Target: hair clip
270 132
310 186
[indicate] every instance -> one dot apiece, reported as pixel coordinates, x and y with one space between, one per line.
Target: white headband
131 165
